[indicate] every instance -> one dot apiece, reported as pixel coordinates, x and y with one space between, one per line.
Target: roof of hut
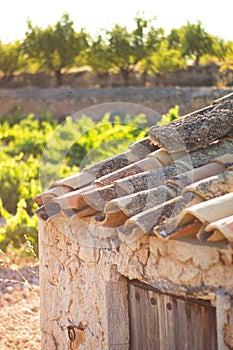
175 183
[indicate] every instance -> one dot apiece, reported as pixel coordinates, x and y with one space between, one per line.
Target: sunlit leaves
30 149
55 47
11 59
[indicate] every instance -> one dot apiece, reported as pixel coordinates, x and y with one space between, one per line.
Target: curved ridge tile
208 211
197 174
132 169
196 130
148 179
222 229
212 187
138 202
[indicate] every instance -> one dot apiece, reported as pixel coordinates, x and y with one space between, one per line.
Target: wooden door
165 322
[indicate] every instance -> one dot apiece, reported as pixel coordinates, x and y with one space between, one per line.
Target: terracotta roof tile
148 179
48 210
148 219
195 130
191 176
221 229
162 156
204 156
137 202
183 189
226 160
173 227
109 165
75 181
73 199
208 211
132 169
50 194
180 231
143 147
213 186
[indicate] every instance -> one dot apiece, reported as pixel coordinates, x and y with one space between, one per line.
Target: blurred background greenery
146 49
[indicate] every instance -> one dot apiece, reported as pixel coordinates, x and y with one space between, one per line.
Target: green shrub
18 180
172 114
18 228
35 153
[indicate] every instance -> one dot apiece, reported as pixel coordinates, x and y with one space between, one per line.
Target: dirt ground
19 306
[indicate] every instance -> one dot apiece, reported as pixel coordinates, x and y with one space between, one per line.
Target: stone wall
84 272
208 75
67 101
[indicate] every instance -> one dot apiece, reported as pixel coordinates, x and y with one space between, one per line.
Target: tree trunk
144 77
197 61
125 75
58 77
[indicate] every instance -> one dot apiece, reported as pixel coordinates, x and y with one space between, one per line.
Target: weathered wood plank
117 310
165 322
134 311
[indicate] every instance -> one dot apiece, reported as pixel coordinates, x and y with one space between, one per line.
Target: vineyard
34 153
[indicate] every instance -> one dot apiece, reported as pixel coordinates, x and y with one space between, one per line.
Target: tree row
146 48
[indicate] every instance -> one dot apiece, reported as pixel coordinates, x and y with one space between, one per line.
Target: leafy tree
228 59
174 39
97 56
226 65
11 59
220 48
196 41
148 39
192 40
55 47
163 59
127 49
121 50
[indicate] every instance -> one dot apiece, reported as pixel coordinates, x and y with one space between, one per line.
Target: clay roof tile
177 182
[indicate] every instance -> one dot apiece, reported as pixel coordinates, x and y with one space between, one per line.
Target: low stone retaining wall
67 101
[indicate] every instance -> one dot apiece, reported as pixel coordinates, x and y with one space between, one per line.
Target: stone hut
136 251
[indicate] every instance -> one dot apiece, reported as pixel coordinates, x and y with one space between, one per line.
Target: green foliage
192 40
18 179
59 47
13 118
227 62
34 153
121 50
18 228
172 114
11 59
27 137
97 56
55 47
104 139
164 59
